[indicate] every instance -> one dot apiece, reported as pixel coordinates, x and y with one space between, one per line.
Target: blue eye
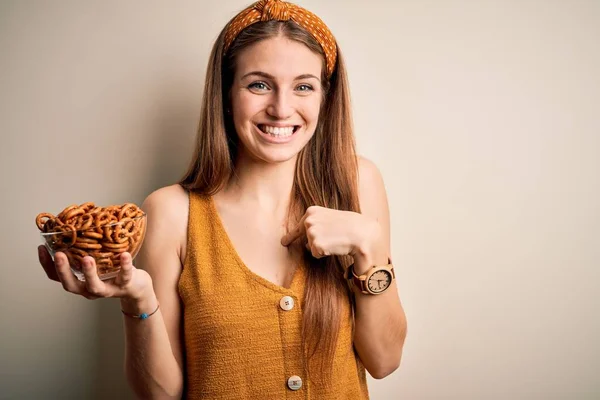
304 88
258 86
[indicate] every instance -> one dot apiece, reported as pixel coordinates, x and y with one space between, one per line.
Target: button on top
286 303
294 382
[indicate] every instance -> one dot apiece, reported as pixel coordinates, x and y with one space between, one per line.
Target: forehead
281 57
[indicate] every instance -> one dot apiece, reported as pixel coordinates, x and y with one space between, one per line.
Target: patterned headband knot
273 10
278 10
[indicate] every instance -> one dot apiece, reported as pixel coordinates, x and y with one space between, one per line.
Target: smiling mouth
278 131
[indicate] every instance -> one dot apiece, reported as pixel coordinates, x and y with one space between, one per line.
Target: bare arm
153 356
380 322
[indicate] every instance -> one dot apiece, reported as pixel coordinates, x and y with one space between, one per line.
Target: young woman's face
275 98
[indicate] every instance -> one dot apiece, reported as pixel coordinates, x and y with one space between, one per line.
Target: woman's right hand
130 284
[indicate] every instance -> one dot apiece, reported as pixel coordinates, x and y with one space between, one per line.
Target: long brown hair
326 172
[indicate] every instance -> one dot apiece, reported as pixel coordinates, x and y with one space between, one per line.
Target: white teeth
278 131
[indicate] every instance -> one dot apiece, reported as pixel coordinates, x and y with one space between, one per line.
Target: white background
483 117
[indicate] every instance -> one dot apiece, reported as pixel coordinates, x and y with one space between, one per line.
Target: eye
304 88
258 86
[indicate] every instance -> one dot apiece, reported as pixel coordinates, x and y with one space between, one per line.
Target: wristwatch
375 281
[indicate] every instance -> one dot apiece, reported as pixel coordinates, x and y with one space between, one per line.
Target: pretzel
103 233
40 222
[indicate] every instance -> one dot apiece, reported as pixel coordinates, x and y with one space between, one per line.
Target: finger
93 283
47 263
312 250
126 272
65 275
294 234
316 253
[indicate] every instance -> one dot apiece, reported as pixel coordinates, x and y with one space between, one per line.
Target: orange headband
277 10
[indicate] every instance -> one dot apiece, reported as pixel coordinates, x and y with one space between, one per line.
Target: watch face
380 281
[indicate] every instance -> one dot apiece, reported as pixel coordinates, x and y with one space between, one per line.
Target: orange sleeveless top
242 333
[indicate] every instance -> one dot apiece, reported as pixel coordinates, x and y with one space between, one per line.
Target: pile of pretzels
100 232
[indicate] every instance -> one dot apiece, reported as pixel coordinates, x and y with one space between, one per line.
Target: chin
277 156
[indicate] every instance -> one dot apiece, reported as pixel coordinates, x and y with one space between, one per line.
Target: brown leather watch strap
357 281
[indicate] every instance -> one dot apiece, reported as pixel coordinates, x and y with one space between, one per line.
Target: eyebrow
269 76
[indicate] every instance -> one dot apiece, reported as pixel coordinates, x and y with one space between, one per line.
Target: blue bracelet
141 316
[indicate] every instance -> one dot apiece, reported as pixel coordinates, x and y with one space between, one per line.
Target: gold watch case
375 281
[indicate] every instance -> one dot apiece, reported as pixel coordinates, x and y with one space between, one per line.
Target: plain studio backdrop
483 117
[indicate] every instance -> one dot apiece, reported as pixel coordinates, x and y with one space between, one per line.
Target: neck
266 185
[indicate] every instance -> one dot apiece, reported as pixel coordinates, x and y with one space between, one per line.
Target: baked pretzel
103 233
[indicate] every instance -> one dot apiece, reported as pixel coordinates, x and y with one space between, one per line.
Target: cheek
244 106
239 103
312 110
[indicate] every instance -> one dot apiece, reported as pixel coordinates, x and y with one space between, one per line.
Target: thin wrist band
141 316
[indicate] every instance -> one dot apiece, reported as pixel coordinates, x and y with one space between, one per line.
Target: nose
281 105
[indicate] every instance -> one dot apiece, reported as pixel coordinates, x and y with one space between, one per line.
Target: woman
265 272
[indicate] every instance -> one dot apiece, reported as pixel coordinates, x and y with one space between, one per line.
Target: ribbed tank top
242 332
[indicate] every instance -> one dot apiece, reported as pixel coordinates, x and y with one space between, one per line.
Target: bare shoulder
373 198
171 201
167 210
371 189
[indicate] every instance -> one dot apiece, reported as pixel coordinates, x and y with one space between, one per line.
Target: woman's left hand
334 232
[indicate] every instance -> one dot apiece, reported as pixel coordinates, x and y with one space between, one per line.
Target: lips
277 134
278 130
